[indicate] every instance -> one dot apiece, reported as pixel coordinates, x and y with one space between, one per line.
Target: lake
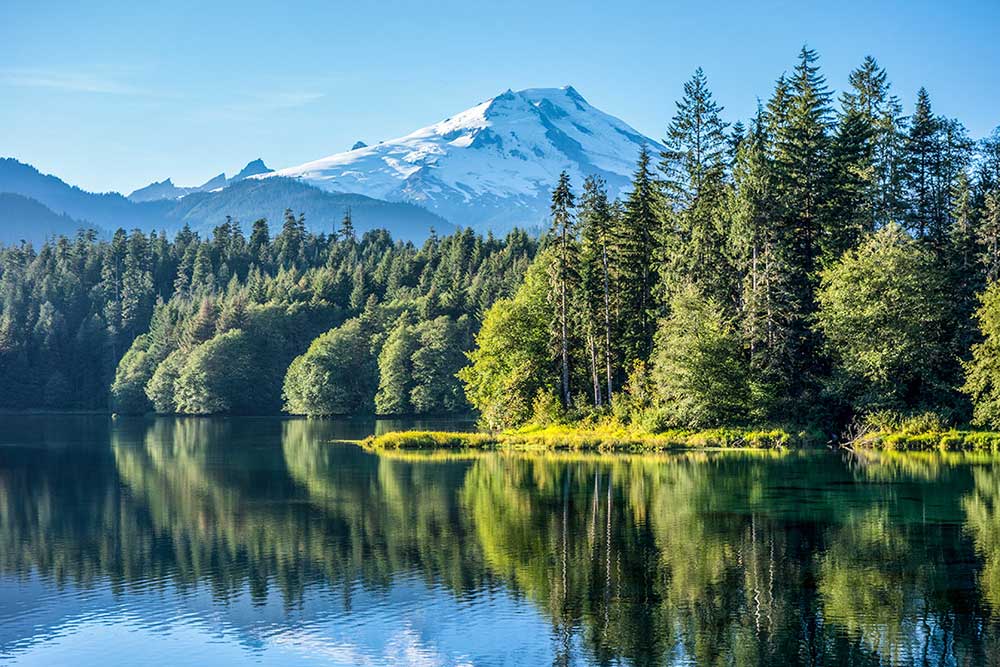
266 541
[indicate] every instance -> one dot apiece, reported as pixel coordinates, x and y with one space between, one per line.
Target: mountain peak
253 168
492 165
216 181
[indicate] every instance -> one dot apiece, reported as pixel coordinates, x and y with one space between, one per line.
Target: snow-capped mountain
492 166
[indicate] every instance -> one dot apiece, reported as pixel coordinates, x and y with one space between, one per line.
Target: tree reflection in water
707 558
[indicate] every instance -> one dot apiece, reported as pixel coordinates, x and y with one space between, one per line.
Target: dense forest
201 326
830 257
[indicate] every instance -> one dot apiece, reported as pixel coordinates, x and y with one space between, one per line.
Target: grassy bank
925 432
945 440
599 437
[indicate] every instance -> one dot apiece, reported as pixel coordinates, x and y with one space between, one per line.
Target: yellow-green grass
946 440
595 437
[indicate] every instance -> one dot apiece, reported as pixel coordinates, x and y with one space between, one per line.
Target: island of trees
831 261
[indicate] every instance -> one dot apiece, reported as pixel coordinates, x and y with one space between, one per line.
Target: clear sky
113 96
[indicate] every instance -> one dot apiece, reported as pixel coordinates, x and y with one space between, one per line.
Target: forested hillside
830 258
209 325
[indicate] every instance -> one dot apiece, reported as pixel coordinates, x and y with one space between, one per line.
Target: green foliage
218 376
638 241
881 310
418 367
161 388
436 362
395 369
128 395
512 360
547 409
700 371
767 252
337 375
428 440
600 436
982 371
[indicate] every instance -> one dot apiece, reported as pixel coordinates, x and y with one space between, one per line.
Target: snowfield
491 166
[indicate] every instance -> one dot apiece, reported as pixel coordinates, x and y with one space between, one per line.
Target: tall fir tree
597 256
870 103
694 168
564 274
639 238
923 219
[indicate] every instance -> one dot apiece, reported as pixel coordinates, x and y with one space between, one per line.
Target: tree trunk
607 320
567 399
593 369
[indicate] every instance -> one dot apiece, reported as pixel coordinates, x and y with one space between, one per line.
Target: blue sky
112 96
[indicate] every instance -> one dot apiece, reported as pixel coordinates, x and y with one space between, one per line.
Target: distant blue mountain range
35 206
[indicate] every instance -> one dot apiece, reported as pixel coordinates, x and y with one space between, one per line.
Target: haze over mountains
490 167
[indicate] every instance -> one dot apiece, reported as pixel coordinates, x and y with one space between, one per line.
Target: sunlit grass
949 440
605 436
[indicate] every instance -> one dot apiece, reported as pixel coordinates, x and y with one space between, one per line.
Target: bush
547 409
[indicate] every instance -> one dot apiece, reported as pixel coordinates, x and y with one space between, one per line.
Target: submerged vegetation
823 262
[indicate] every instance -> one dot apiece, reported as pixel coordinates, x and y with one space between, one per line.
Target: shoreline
600 439
603 438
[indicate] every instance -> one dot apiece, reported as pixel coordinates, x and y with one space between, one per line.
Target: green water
207 542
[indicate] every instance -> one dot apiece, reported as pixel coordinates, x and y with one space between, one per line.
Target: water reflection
215 538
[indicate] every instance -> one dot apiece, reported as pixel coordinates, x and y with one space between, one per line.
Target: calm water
205 542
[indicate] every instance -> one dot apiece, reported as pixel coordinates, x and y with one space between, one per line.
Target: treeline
824 260
211 325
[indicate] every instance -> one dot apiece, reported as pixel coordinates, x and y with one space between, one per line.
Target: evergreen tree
259 245
869 104
758 248
289 245
799 117
202 326
639 248
923 218
564 273
597 254
346 232
694 168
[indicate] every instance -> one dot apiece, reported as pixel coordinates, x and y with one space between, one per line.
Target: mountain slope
246 200
251 199
108 210
491 166
26 219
